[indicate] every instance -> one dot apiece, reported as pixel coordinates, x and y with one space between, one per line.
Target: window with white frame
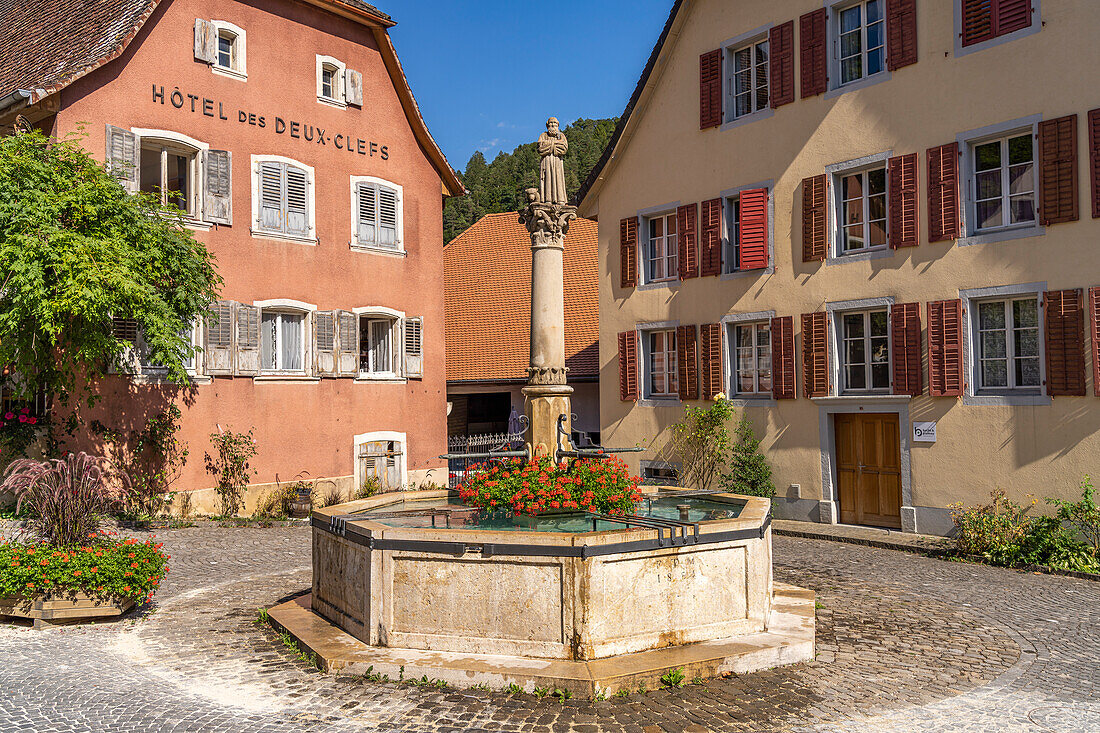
861 206
1003 182
1006 340
377 215
283 198
231 50
662 253
170 169
731 244
139 360
750 355
661 378
861 40
865 351
747 79
377 346
282 341
330 81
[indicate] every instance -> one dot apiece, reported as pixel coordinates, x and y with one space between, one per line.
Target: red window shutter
905 333
1058 170
711 359
712 237
781 64
710 89
628 366
1065 342
815 354
628 252
686 228
812 29
977 21
901 171
814 240
754 229
945 362
1094 327
1094 160
783 358
1011 15
901 33
687 362
943 192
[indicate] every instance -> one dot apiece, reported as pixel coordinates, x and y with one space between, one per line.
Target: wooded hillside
498 186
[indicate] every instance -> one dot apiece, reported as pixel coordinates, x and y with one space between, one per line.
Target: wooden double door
868 469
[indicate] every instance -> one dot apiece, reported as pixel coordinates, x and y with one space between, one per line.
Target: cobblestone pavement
904 643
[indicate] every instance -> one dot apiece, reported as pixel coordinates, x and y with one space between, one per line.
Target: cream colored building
873 225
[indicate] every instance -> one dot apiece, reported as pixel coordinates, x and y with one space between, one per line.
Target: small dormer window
222 45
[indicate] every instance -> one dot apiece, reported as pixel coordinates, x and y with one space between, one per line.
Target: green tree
749 471
498 186
77 250
701 443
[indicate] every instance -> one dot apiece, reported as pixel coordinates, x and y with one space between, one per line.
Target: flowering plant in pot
69 568
540 486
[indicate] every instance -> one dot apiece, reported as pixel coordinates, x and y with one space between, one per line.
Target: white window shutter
297 201
218 339
347 363
387 217
353 87
367 213
414 347
324 343
218 187
122 157
248 340
270 185
206 41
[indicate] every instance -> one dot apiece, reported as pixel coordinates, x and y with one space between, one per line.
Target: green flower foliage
104 568
76 250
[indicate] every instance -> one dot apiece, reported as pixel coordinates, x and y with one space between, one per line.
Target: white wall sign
924 432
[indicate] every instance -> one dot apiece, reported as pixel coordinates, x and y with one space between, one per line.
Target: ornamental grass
537 486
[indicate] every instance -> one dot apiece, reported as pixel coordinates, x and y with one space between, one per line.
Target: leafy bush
1083 515
275 504
331 496
152 457
993 531
230 467
701 442
371 485
103 567
67 496
595 485
749 471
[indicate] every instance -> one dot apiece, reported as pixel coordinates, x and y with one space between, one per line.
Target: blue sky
487 74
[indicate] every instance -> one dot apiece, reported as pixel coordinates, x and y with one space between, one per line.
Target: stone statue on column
547 216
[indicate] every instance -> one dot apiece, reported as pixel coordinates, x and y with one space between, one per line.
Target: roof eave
353 13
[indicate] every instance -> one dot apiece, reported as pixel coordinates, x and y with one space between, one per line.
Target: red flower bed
105 568
532 487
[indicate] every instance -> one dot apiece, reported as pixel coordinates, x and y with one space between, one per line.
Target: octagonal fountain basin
418 579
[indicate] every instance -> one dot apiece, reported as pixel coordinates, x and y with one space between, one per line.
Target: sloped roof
45 45
487 292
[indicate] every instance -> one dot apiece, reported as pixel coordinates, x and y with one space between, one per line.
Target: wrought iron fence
464 452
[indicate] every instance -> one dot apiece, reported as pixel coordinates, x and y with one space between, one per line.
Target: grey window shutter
324 343
297 201
206 41
367 213
347 364
271 197
353 87
387 217
218 187
414 347
248 340
125 329
122 156
218 341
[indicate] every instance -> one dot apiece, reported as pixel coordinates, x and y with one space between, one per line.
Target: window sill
371 249
764 399
231 73
867 81
860 256
198 226
1002 235
659 402
261 234
738 274
747 119
1006 400
287 378
381 379
332 102
659 284
872 398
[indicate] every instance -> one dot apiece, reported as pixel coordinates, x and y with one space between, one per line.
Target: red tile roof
487 290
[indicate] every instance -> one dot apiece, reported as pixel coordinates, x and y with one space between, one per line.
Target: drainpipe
13 99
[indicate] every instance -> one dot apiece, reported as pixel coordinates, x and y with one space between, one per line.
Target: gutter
19 97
